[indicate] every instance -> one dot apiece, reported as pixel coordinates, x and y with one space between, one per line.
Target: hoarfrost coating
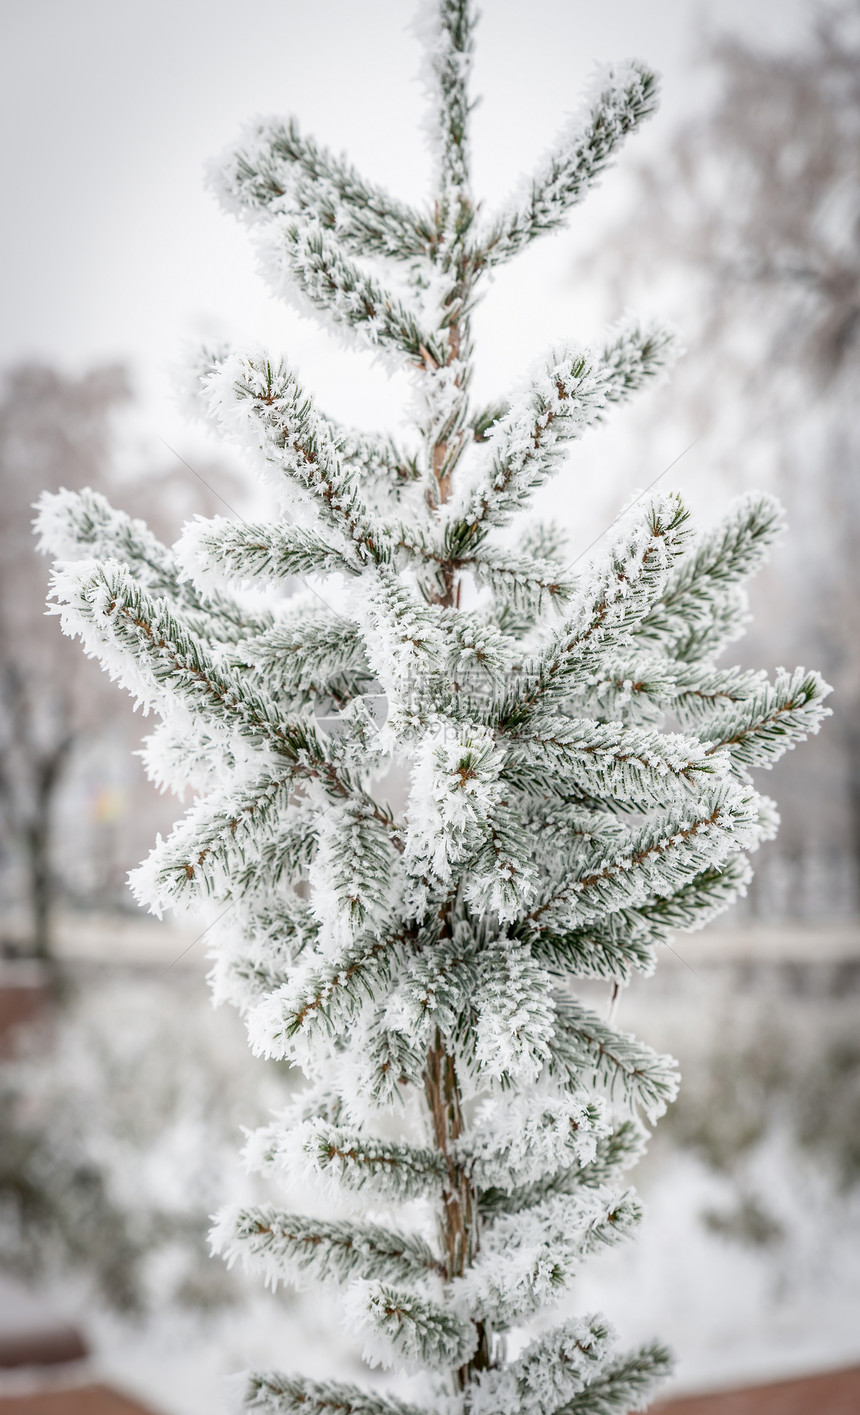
469 1121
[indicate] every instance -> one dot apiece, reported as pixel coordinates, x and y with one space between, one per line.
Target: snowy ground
748 1262
730 1313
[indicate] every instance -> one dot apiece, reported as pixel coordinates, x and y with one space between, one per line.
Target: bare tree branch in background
54 431
767 198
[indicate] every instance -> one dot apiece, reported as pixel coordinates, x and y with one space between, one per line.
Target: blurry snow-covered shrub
778 1072
118 1128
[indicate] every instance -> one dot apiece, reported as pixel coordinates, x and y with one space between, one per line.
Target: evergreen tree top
419 959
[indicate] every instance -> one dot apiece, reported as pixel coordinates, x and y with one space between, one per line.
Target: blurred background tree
748 228
54 431
119 1121
75 811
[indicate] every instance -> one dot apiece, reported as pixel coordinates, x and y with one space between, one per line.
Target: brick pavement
80 1400
835 1393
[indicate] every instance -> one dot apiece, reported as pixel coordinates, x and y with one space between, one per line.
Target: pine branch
740 713
354 873
530 1259
606 759
407 1330
698 902
182 754
526 445
256 400
286 1247
311 653
514 1015
541 1136
633 353
624 1384
274 1394
612 950
141 643
582 1045
524 584
455 786
640 689
703 607
386 471
549 811
271 553
482 421
625 940
610 605
326 995
276 170
502 875
450 54
302 258
389 1169
760 730
384 1063
383 467
79 525
216 840
156 656
307 1144
614 1153
433 990
624 96
552 1368
275 1150
281 857
697 693
445 430
150 652
416 648
659 858
262 945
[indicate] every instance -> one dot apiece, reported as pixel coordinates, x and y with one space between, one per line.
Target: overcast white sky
113 249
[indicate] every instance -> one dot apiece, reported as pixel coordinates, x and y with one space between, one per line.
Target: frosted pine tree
472 1119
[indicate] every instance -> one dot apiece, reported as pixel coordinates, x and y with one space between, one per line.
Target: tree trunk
458 1219
48 772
